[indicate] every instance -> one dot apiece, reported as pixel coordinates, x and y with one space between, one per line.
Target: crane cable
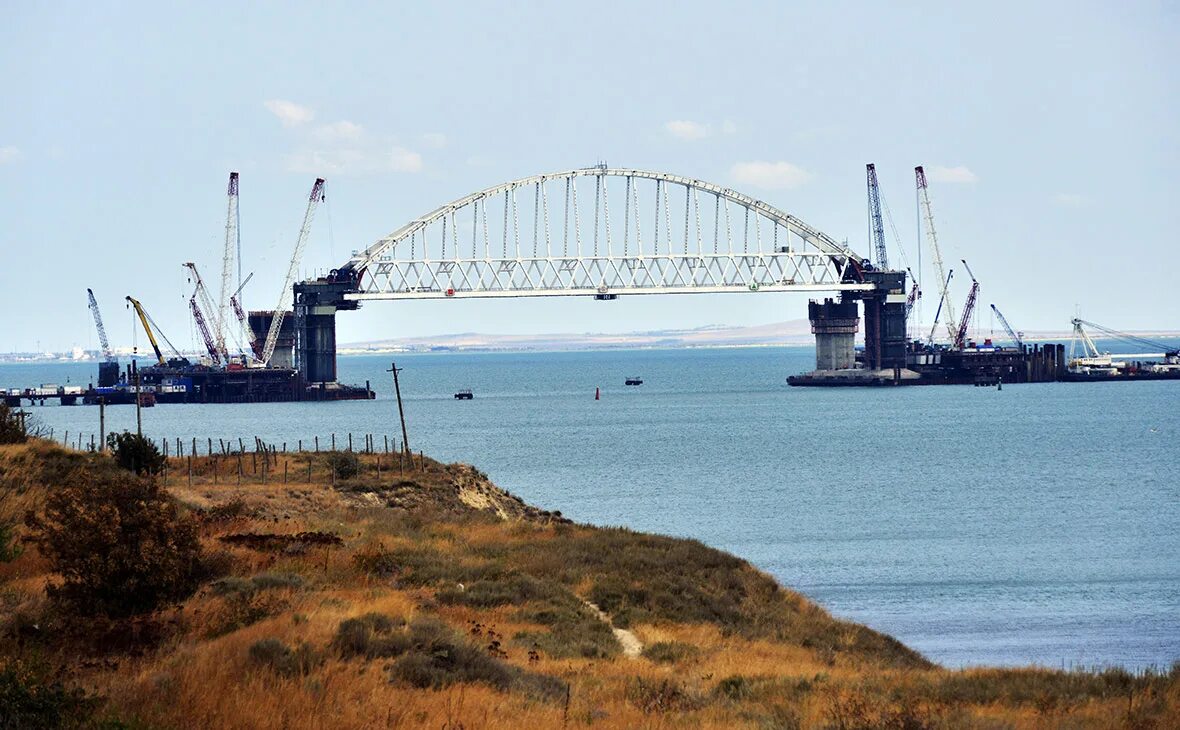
1125 336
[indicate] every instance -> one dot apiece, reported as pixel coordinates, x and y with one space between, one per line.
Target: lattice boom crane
875 213
944 302
203 328
102 331
219 351
285 296
968 309
1007 327
243 321
227 263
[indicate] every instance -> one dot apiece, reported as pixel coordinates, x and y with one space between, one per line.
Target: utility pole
138 404
102 423
393 368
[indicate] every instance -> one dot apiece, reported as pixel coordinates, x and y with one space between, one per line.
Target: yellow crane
146 320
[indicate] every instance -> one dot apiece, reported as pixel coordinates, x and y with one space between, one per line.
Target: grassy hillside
427 597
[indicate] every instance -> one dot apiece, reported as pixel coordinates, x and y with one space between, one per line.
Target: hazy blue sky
1050 130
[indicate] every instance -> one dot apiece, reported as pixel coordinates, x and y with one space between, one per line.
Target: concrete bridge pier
316 304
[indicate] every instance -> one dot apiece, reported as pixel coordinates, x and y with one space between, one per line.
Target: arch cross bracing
602 231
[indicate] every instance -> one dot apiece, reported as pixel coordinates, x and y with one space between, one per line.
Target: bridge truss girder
495 244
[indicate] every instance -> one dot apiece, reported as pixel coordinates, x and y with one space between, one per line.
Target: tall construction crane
944 302
151 336
875 215
915 293
285 296
203 328
1008 328
1092 349
219 352
243 322
232 243
960 338
102 331
938 311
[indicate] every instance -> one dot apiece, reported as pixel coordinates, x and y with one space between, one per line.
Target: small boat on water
633 380
464 394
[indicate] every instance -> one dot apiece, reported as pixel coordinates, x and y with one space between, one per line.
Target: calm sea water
1038 524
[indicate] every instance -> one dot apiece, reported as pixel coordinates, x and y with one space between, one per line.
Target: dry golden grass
761 656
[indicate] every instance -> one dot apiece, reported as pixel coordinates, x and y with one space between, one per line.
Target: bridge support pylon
835 325
316 304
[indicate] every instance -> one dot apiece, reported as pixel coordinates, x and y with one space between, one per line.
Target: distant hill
791 332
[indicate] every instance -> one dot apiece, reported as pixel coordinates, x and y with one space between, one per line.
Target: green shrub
9 550
136 453
118 544
371 636
735 687
12 431
670 652
658 696
344 464
247 600
282 659
26 704
491 593
573 631
375 560
429 654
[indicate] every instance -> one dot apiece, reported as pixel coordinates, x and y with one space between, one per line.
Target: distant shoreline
478 343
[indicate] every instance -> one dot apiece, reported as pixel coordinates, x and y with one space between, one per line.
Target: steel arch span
554 235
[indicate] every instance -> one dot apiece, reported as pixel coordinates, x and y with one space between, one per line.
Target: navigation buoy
596 394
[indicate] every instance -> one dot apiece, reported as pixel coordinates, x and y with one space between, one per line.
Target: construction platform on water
262 357
888 359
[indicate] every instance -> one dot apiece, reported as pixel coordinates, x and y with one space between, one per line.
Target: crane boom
968 309
932 235
1089 349
1122 335
942 301
206 301
102 331
199 318
915 294
227 263
240 313
875 214
1007 327
272 337
143 319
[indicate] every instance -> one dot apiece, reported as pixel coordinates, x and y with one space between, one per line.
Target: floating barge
193 384
983 364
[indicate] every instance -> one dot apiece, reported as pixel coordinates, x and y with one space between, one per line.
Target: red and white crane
286 295
240 313
203 328
960 338
218 352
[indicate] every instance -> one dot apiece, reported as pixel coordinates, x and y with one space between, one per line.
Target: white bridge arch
553 235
